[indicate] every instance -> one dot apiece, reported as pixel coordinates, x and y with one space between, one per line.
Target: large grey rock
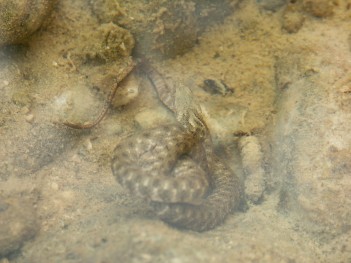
312 140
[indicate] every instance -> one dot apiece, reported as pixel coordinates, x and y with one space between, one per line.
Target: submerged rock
17 224
163 28
312 138
19 19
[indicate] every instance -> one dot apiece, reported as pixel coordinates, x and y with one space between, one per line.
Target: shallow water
281 124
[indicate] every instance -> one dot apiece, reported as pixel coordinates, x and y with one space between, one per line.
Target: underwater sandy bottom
291 91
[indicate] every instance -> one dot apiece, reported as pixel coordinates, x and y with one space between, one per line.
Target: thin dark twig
125 72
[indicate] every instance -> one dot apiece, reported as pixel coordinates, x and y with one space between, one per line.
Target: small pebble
127 92
88 145
76 159
68 195
25 110
29 118
54 186
293 21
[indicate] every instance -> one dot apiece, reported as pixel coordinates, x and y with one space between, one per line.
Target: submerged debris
214 86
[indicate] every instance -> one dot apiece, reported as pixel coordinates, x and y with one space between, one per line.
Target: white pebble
252 162
29 118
